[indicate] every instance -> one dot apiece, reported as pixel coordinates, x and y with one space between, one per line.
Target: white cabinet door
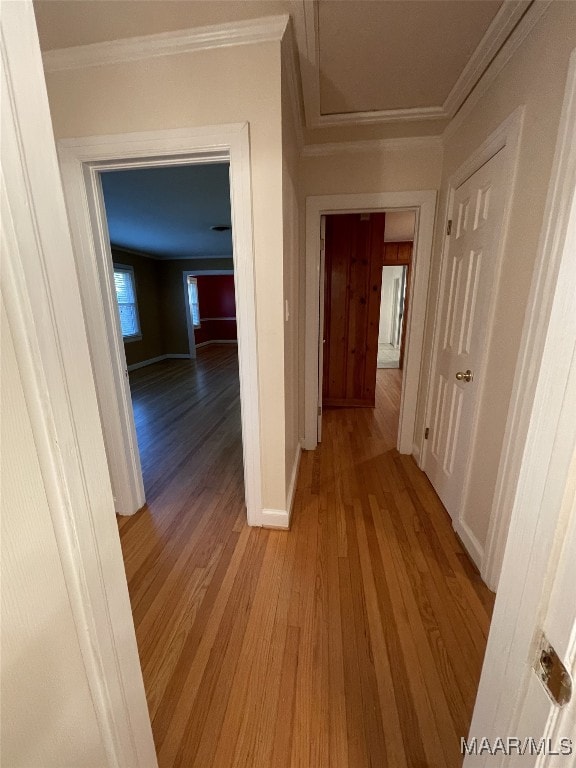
468 282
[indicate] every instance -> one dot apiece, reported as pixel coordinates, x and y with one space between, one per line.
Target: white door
321 321
540 717
467 284
536 592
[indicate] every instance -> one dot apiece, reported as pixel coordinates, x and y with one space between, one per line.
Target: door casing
423 202
81 161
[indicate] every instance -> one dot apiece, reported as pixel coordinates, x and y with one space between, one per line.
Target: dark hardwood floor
356 639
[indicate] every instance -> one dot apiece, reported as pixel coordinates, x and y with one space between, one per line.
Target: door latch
552 673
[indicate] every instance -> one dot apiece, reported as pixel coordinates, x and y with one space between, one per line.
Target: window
127 305
193 301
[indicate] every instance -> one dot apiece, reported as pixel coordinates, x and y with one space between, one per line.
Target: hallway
354 640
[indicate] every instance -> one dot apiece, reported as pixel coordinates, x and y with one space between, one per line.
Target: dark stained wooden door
352 285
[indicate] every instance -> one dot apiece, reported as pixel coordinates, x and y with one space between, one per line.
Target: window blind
126 297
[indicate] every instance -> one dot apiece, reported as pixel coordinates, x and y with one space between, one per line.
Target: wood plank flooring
356 639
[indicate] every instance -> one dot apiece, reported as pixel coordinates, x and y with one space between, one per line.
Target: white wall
535 77
208 87
48 717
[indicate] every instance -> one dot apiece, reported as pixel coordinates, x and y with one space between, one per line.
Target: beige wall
534 77
293 350
208 87
384 170
48 718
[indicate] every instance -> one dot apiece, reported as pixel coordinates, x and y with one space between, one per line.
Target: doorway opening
82 163
420 206
167 224
365 290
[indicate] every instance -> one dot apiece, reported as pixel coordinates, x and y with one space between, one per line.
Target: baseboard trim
275 518
144 363
293 481
152 360
216 341
470 542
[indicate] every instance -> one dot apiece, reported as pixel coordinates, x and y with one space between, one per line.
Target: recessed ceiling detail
395 54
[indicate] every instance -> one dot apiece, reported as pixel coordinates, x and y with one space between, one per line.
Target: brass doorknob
465 375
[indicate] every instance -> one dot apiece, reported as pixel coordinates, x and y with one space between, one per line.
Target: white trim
216 341
280 518
41 293
507 18
289 57
373 145
275 518
470 542
267 29
550 254
539 519
190 327
380 116
515 40
506 138
424 203
81 161
176 355
293 481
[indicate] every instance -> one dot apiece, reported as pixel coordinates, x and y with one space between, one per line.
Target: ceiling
387 67
396 54
167 212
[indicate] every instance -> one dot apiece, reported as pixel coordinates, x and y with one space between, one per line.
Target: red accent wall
216 297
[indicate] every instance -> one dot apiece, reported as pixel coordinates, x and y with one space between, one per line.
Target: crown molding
515 39
372 145
120 249
267 29
289 60
381 116
503 24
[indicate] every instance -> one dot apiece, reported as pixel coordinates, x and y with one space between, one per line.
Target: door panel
352 285
467 286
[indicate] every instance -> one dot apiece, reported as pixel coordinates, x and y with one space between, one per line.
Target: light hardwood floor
356 639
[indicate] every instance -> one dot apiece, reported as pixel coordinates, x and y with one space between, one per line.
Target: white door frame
546 405
40 288
189 323
82 160
506 138
423 202
194 272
